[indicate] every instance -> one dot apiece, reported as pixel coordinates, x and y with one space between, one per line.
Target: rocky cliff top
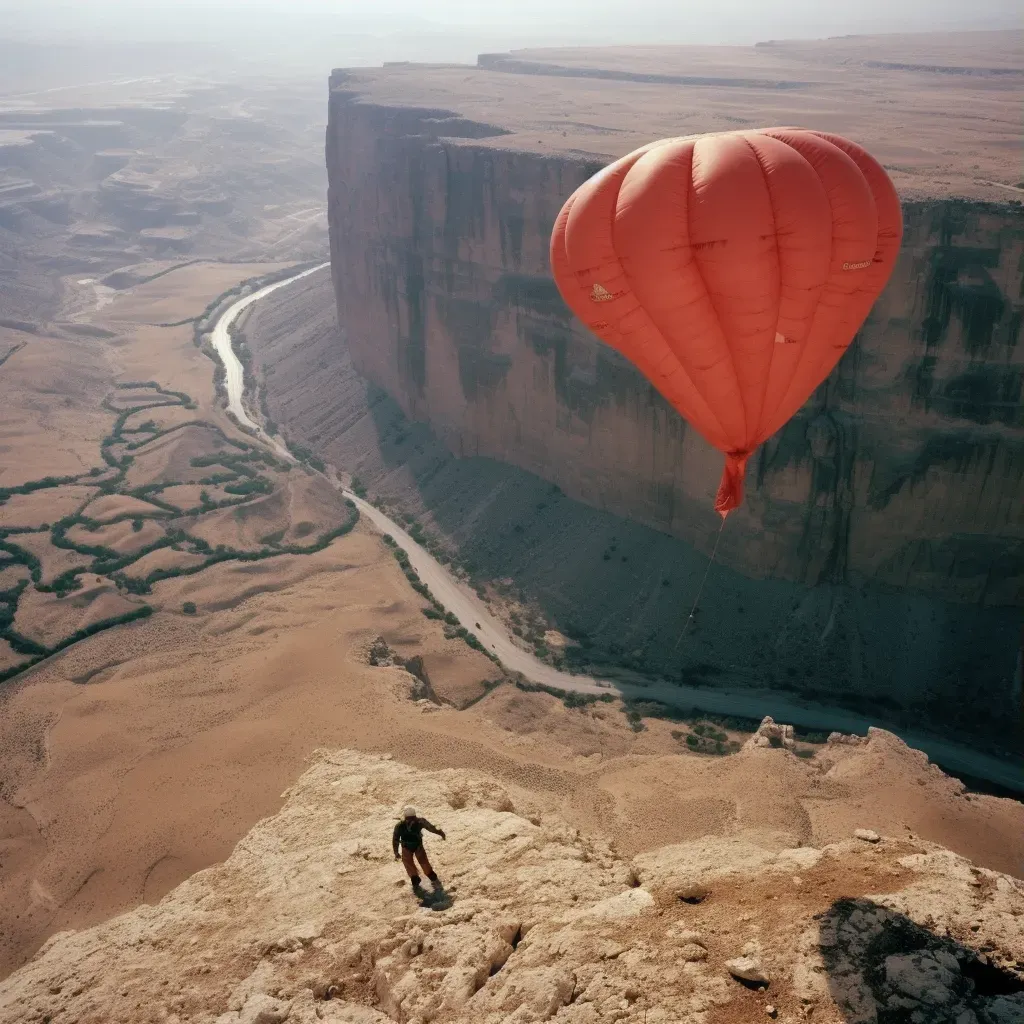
938 110
310 919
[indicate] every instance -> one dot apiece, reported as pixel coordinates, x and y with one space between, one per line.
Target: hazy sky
550 21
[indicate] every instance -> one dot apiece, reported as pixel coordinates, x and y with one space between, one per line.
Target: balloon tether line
700 589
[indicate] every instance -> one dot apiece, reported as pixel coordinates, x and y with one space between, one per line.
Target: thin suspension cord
700 589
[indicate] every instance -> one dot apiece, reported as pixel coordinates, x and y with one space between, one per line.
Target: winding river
475 616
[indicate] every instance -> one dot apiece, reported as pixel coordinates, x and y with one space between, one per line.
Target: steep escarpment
538 921
892 504
906 467
622 591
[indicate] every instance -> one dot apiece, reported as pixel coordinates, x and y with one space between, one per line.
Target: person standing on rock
408 835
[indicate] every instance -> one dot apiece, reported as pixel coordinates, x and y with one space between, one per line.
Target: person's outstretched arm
394 840
433 828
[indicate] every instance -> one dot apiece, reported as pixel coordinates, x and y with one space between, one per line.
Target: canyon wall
906 467
878 560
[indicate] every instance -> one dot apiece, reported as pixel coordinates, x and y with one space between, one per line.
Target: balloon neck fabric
730 488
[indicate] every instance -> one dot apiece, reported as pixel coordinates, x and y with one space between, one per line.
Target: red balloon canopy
733 270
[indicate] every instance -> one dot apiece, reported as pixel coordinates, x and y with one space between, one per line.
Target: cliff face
906 468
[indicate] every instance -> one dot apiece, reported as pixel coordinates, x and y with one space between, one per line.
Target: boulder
747 968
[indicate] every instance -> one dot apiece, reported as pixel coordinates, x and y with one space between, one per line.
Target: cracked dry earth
310 919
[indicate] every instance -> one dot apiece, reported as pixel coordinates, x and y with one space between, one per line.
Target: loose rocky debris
867 835
311 920
747 968
846 739
380 655
882 965
771 734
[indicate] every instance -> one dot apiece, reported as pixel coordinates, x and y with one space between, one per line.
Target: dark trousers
410 863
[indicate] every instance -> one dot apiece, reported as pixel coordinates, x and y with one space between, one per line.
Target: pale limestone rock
801 858
684 935
846 739
771 734
543 922
747 968
810 982
926 977
867 835
692 952
1006 1010
262 1009
626 904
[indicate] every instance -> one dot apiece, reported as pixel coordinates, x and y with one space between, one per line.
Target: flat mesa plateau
188 619
940 111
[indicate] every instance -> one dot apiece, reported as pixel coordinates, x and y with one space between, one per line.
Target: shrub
258 485
22 645
138 613
572 699
136 525
554 691
66 582
189 608
132 585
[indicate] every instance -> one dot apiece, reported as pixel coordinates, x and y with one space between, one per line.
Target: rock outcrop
310 919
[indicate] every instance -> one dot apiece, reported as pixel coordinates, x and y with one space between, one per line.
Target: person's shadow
885 969
436 899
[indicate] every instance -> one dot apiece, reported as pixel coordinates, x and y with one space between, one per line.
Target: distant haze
376 30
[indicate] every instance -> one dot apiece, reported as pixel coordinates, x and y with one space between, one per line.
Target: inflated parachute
733 270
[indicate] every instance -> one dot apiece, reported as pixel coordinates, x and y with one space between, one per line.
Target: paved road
474 615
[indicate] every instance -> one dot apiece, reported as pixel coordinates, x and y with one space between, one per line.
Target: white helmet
409 812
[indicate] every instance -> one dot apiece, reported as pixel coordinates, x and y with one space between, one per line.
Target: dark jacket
409 833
